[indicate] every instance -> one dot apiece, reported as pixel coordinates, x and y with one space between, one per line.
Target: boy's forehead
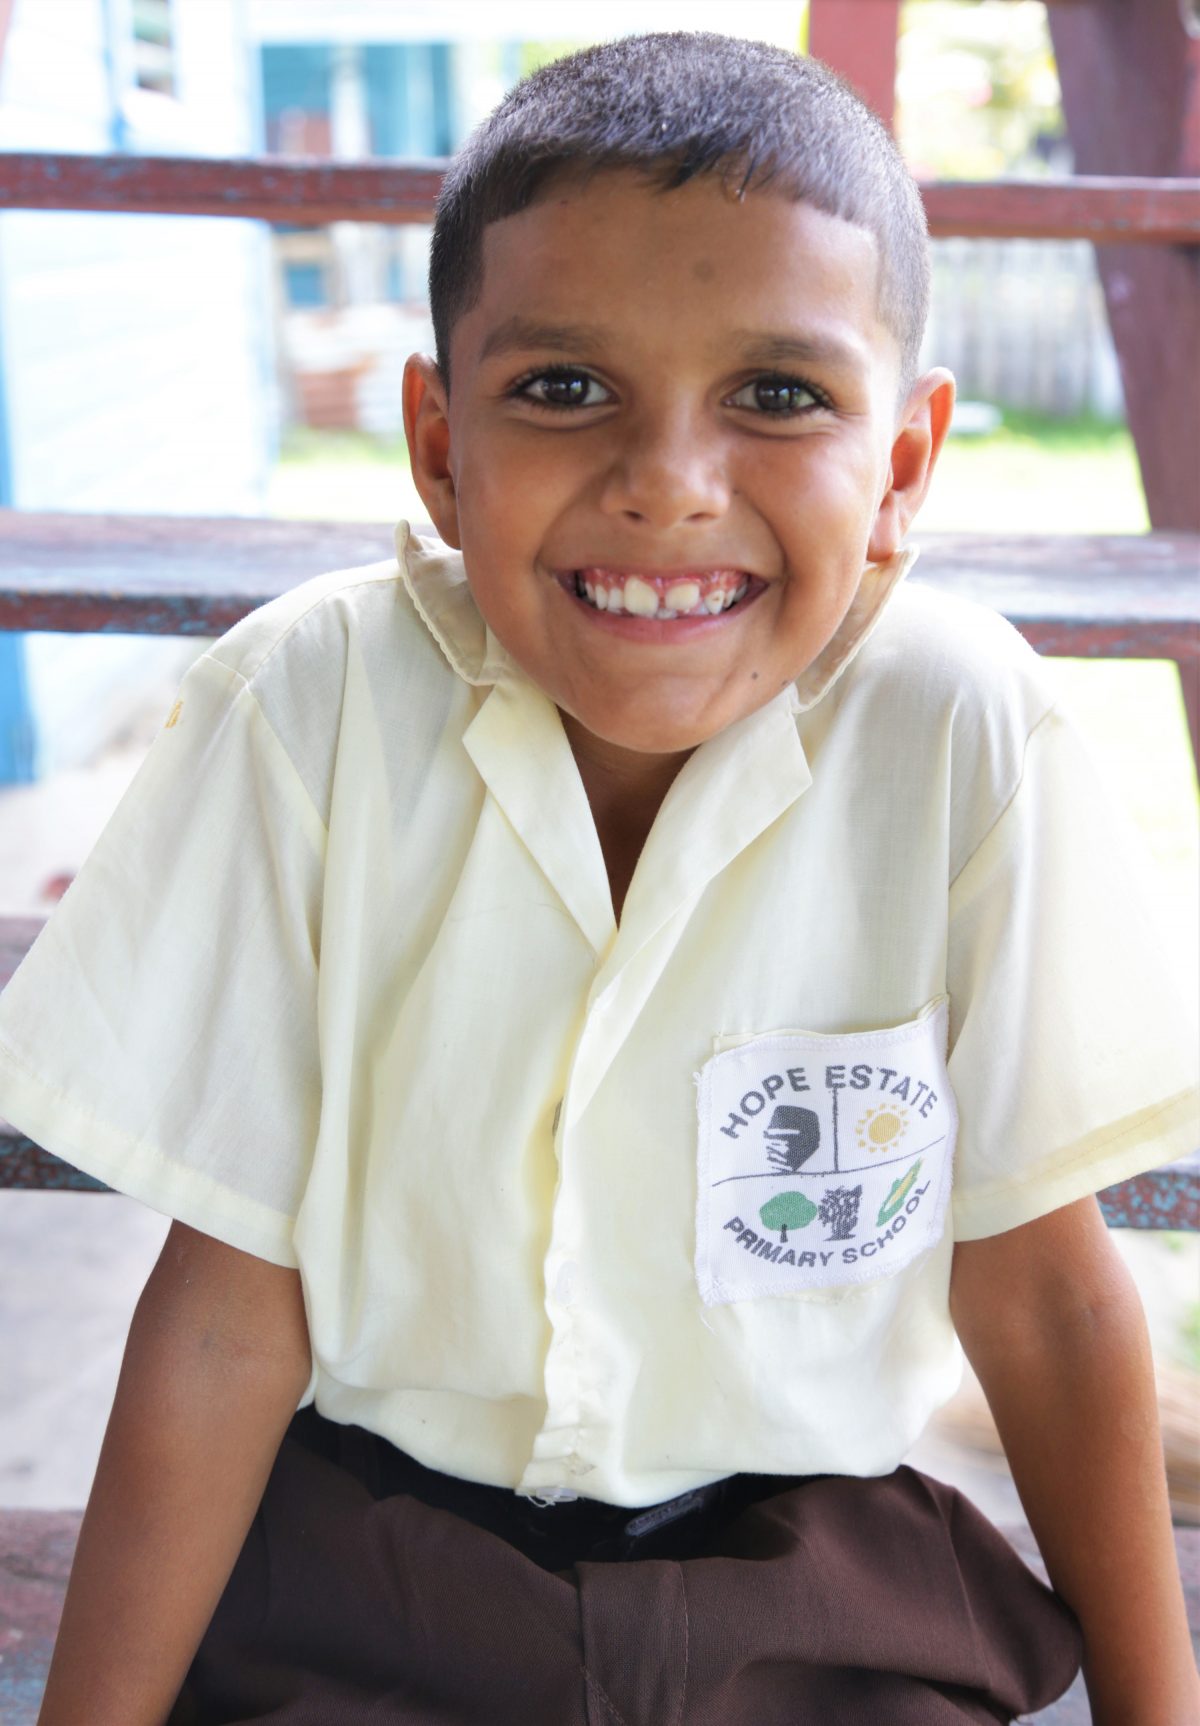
595 248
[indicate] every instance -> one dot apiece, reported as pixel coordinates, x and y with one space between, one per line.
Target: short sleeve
161 1034
1073 1045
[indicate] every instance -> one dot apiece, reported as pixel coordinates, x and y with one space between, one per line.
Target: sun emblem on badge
882 1127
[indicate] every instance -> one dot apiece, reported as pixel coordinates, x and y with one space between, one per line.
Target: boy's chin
660 734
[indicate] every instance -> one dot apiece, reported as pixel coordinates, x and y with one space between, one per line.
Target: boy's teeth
638 597
684 596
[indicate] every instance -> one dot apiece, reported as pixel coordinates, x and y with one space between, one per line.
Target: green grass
1039 475
342 476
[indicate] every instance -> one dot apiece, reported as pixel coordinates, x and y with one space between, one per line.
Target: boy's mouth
699 593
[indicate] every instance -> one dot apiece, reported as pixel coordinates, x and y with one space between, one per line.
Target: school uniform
598 1213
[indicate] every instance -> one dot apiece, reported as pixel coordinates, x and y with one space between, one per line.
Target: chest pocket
824 1160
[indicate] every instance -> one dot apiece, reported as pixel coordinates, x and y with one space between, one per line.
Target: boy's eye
562 387
778 396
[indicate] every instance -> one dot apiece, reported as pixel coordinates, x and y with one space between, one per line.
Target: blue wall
295 77
16 722
409 98
409 95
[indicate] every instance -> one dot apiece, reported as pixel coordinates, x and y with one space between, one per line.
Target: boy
640 808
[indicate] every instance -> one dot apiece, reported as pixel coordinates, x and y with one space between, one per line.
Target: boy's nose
666 472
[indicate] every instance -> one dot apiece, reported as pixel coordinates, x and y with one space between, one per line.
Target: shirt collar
437 583
729 792
879 582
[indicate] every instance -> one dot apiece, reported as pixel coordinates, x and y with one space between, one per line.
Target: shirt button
564 1283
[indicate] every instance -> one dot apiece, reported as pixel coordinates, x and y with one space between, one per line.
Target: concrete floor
71 1268
72 1265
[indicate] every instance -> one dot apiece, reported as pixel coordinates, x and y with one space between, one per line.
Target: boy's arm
216 1362
1051 1322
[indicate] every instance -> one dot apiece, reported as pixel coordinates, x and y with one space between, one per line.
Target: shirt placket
725 797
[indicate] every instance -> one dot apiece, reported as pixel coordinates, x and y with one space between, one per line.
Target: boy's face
661 400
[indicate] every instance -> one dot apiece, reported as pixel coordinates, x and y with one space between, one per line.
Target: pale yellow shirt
587 1209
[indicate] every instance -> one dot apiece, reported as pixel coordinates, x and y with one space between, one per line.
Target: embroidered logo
823 1160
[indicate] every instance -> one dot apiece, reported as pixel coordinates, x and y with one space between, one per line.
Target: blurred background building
136 353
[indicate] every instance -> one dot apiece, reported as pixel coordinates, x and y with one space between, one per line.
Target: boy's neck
625 790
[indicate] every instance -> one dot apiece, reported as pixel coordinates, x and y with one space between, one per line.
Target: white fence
1022 322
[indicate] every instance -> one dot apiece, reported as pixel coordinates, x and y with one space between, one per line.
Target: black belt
554 1536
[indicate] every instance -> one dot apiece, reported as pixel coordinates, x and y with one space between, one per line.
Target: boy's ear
923 424
427 428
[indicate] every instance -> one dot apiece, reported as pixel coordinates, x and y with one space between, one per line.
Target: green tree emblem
787 1211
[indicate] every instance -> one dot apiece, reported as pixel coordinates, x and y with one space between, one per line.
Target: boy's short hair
673 105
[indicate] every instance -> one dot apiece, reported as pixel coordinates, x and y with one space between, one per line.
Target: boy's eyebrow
771 348
758 347
518 332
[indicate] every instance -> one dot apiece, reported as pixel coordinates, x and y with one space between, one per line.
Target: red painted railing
310 194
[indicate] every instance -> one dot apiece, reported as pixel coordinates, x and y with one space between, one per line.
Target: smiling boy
669 982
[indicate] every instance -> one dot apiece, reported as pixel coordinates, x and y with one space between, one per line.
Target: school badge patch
823 1160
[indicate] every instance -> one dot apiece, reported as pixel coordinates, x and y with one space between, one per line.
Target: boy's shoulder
938 658
318 615
334 665
397 614
947 696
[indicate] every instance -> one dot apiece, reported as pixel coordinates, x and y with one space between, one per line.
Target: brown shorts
372 1592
